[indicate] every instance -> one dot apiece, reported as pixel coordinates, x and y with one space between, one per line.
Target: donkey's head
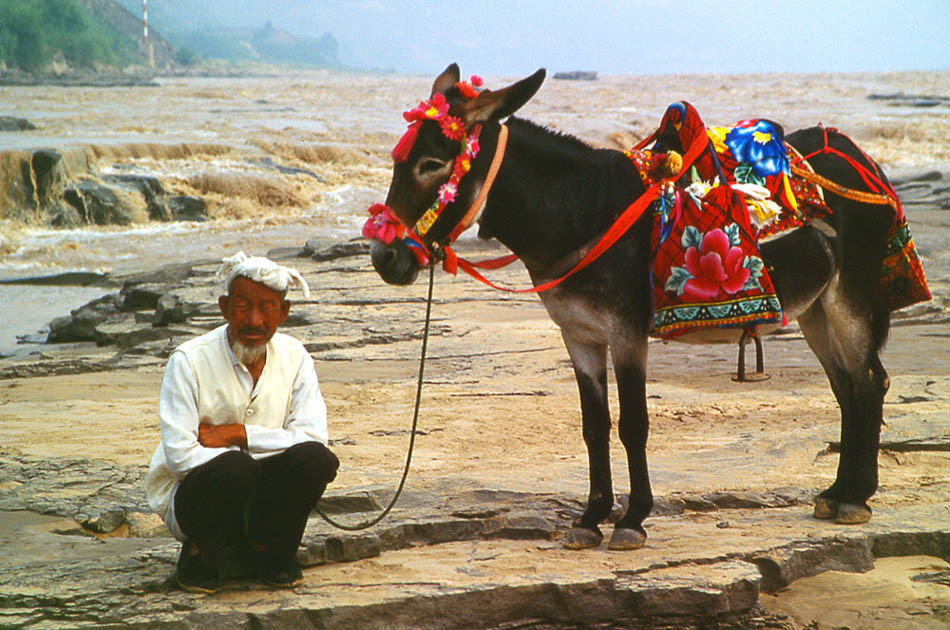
440 165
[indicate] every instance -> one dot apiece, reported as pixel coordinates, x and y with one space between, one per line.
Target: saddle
748 185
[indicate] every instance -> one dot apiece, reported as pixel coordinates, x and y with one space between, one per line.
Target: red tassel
404 146
450 263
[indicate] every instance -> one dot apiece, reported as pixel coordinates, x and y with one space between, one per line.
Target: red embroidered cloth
707 269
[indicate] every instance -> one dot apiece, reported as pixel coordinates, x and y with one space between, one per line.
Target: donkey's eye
428 166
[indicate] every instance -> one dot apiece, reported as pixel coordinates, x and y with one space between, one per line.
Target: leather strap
473 210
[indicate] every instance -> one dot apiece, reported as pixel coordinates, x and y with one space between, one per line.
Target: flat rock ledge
81 551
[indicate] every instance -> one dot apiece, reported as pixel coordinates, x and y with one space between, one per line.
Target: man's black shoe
192 575
276 573
287 577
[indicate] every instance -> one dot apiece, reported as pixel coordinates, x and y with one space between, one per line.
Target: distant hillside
267 44
162 54
193 28
61 36
40 35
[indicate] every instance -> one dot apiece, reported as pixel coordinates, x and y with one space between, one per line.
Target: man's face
253 311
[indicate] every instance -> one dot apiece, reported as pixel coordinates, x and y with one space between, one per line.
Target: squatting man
243 456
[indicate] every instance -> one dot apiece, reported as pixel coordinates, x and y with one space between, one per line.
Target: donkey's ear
498 104
446 81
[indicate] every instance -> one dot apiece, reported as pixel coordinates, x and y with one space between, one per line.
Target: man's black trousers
235 500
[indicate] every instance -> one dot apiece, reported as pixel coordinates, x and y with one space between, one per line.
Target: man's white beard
248 355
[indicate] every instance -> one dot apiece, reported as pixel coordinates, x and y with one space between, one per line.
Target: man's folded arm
178 413
306 421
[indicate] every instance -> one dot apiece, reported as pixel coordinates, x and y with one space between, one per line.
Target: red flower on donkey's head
716 264
382 224
436 108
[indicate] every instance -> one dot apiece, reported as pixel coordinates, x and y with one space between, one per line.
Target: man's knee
316 460
237 466
218 489
232 471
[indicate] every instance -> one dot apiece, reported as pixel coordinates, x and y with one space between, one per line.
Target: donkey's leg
590 369
630 368
847 341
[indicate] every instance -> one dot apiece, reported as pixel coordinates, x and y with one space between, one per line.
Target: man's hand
222 435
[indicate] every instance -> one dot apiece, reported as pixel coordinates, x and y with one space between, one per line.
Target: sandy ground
500 411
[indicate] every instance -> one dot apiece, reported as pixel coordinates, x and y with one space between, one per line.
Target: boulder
99 204
63 215
339 250
172 310
150 187
139 297
169 274
146 525
49 176
81 324
105 521
123 331
18 199
12 123
188 208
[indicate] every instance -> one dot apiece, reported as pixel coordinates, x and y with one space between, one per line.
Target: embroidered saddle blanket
707 269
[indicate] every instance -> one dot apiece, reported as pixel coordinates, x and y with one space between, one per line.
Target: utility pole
148 45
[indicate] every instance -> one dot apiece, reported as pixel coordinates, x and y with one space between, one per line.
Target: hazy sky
617 36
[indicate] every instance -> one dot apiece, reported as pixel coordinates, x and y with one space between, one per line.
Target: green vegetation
32 32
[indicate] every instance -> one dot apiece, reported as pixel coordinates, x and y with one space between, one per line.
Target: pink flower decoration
447 192
716 265
476 80
382 225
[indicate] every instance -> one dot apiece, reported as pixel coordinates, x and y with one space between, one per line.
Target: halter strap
476 206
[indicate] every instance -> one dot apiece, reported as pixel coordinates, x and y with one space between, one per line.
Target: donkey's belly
578 318
801 264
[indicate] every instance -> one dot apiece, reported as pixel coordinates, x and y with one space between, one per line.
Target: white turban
263 270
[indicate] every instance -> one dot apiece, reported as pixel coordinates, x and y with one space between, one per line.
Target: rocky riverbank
498 474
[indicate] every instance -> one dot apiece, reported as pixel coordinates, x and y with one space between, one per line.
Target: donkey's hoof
852 514
826 509
626 539
582 538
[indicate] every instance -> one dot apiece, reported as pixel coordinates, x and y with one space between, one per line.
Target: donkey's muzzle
394 263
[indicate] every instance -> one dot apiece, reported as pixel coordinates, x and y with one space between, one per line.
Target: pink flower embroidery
715 265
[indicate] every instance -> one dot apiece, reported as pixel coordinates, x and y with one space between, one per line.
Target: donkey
553 195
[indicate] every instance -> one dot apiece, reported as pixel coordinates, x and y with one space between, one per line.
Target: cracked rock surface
498 473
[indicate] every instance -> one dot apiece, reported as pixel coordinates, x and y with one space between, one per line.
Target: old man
243 456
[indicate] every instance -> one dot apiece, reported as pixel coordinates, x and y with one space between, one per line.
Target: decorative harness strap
383 225
476 206
886 195
619 227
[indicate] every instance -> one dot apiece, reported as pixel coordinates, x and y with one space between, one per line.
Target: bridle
441 250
